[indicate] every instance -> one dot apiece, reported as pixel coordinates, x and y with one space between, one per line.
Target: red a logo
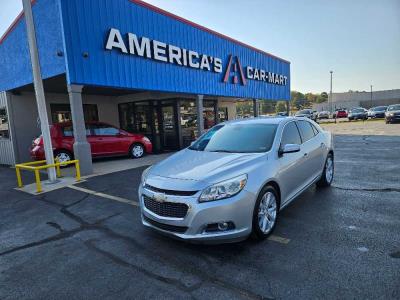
233 70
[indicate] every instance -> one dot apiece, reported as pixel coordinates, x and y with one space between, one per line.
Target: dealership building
129 64
351 99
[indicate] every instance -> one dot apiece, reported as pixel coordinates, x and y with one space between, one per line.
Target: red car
341 114
104 140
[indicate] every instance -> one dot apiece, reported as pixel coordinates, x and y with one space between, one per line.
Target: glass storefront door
169 130
158 120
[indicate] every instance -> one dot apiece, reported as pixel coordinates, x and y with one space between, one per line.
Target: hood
207 167
393 111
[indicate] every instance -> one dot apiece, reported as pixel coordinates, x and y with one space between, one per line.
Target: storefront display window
62 113
188 121
4 132
209 114
223 114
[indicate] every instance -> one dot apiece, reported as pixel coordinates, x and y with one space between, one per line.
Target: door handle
322 145
305 154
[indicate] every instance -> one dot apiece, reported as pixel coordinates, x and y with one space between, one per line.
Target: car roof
265 120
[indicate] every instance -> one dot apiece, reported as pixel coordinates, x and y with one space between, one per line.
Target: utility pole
38 84
330 94
371 96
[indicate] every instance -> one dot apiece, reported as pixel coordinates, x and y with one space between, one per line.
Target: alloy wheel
63 157
329 169
267 212
137 151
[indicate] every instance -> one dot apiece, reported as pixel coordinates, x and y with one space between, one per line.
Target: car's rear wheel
137 151
328 172
62 156
265 213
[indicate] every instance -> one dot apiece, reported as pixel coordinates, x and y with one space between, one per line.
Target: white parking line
274 238
115 198
279 239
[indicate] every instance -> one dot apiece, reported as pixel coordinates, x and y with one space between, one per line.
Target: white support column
81 146
200 118
255 108
39 91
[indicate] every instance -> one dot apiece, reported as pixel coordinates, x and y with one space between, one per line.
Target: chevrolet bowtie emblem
160 197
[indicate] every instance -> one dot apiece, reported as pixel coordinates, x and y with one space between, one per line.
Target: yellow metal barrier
36 166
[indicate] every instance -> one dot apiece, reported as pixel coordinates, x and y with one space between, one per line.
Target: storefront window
188 121
223 114
4 132
209 114
62 113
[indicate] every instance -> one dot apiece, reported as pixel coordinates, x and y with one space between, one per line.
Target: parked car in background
282 114
235 179
104 140
307 113
357 113
377 112
392 113
323 115
340 113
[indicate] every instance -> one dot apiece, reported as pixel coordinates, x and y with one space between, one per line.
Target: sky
359 40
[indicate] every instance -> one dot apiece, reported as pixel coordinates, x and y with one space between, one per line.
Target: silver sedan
233 181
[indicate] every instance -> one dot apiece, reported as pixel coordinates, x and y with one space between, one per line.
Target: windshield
379 108
394 107
304 112
237 138
357 110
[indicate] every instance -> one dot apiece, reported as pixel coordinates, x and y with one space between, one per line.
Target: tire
137 151
63 156
327 177
268 198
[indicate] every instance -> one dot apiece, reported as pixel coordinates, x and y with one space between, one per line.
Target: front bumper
37 153
394 118
237 209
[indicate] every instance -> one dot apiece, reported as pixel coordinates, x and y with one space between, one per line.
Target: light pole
38 84
330 95
371 95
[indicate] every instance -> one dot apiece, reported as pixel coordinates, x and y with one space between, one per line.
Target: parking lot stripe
99 194
279 239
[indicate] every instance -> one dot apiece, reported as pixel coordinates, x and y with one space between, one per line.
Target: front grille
172 228
170 192
166 209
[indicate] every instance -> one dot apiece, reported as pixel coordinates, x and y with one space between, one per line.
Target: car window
238 138
103 129
67 131
290 134
316 131
393 107
306 130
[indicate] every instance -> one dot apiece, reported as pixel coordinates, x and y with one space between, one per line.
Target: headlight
390 114
144 175
146 139
223 190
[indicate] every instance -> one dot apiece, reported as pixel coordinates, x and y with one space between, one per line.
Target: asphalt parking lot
88 242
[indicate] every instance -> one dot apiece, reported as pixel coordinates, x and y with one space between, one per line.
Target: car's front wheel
265 213
137 151
327 173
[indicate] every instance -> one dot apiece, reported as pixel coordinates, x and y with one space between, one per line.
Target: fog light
223 226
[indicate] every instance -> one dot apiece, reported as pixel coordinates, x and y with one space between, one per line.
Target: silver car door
291 165
312 151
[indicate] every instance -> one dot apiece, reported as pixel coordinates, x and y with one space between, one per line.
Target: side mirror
288 148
